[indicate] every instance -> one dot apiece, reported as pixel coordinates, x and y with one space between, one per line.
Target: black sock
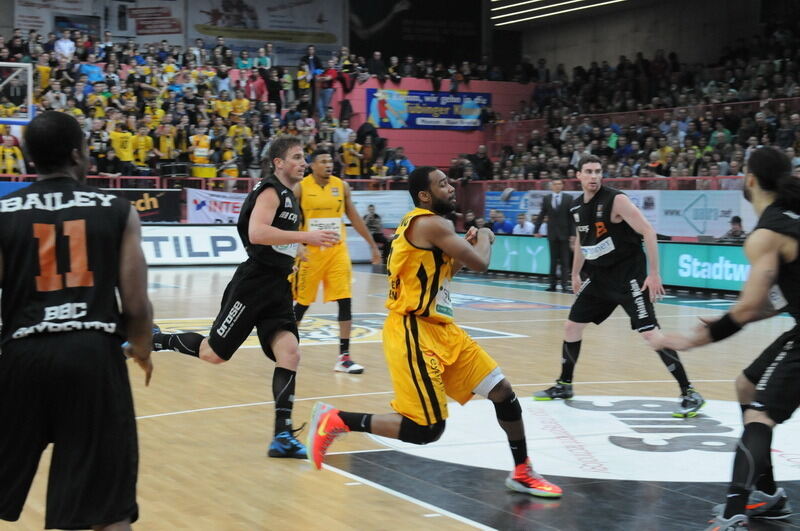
752 459
344 345
671 359
569 357
357 421
519 450
188 343
283 381
766 481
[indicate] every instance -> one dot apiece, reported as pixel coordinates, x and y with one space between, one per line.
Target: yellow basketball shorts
332 267
430 361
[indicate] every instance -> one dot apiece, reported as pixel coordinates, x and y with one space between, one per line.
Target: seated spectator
736 234
502 225
399 160
523 226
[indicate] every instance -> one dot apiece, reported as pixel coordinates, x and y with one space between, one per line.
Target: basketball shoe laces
525 474
332 433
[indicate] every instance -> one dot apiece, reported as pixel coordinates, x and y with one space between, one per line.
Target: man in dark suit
560 232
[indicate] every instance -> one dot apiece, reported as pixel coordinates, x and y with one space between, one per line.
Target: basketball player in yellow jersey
429 356
323 199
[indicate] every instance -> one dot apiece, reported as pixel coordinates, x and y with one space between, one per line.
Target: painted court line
425 505
375 393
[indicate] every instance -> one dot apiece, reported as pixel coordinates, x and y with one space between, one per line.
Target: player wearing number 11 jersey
65 250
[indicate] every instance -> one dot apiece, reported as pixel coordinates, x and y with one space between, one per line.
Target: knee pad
345 310
509 409
414 433
299 311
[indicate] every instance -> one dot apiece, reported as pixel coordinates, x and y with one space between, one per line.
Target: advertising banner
697 213
721 267
671 212
290 25
39 15
523 254
204 206
152 204
390 205
7 187
418 109
192 245
703 266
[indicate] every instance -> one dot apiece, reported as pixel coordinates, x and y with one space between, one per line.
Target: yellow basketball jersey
322 206
419 279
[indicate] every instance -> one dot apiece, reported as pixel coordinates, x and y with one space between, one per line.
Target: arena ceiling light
515 5
554 13
548 6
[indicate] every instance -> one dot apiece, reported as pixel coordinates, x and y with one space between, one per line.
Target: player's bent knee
508 409
345 309
414 433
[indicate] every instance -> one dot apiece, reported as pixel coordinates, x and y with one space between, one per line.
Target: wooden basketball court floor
204 430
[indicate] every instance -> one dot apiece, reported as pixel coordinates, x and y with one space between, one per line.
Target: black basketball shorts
620 285
72 390
256 297
776 375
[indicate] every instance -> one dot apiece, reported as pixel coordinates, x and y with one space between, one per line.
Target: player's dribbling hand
322 238
142 359
472 236
488 232
654 287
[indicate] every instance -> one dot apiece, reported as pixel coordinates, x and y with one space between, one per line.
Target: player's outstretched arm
137 312
261 232
634 217
359 225
435 231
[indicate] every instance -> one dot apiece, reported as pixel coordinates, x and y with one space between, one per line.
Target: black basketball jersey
785 295
60 242
287 217
604 243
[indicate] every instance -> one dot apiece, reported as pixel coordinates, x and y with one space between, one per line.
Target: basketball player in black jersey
769 389
610 233
259 294
66 249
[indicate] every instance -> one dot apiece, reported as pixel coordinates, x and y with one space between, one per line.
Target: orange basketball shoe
524 479
326 425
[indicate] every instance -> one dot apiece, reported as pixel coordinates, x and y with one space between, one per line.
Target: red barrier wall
435 147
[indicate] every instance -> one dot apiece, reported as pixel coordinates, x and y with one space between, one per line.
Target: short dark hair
50 139
419 181
279 148
736 219
586 159
320 151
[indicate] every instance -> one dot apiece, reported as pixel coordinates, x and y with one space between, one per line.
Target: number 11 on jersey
78 275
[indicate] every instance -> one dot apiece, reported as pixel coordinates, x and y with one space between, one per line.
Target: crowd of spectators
686 121
160 108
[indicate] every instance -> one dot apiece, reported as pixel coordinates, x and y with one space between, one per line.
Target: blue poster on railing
419 109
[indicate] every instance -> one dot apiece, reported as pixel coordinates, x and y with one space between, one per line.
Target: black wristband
723 328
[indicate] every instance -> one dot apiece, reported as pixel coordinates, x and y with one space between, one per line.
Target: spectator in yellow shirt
143 150
200 146
239 134
122 142
11 155
43 70
223 106
350 153
240 104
